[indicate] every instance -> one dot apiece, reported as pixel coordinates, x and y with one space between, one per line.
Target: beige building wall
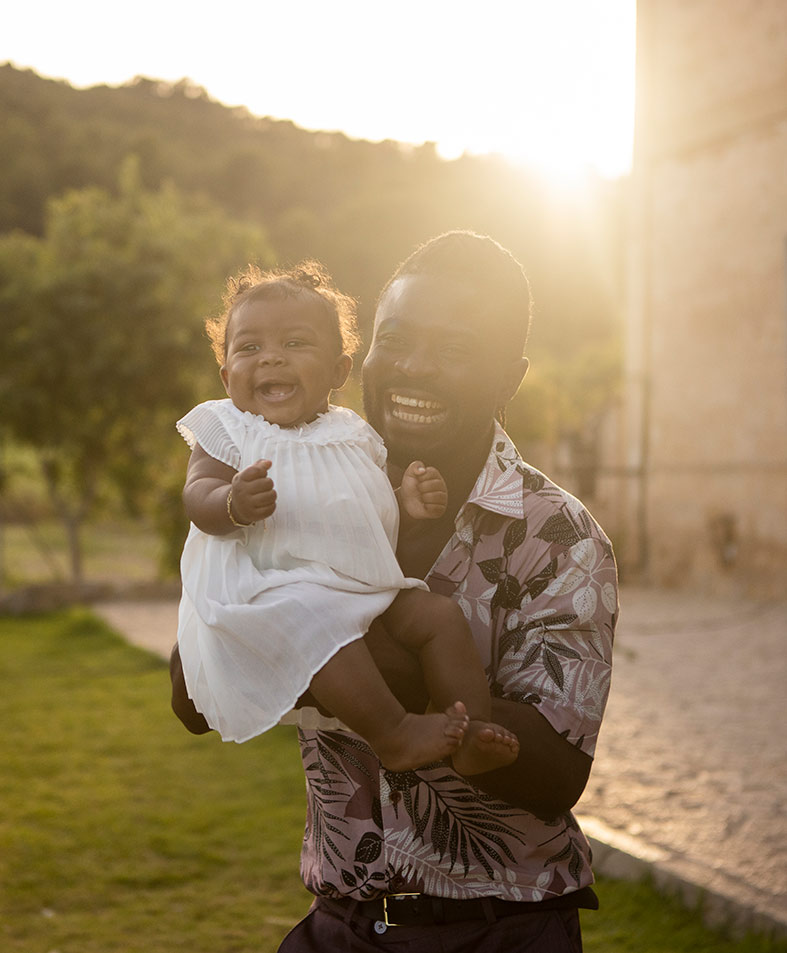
706 434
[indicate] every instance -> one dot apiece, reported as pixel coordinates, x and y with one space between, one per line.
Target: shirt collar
499 486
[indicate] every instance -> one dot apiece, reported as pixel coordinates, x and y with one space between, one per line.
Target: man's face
435 373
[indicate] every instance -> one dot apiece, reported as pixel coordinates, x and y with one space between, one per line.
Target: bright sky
547 81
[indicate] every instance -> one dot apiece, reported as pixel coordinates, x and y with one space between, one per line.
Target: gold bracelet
229 513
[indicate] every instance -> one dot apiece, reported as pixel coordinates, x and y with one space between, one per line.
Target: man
426 860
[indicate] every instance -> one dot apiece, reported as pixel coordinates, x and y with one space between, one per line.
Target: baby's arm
208 483
423 494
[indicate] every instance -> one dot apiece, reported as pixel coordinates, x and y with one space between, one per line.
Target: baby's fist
423 493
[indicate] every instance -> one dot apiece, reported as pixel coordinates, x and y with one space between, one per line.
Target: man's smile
417 410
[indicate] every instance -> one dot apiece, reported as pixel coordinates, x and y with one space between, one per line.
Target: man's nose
416 363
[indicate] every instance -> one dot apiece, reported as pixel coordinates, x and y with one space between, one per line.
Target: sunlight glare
546 84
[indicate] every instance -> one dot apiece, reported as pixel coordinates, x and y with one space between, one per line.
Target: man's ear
341 371
513 375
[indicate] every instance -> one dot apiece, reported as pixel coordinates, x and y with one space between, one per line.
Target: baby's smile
277 390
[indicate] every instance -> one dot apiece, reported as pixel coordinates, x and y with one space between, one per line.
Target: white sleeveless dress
264 608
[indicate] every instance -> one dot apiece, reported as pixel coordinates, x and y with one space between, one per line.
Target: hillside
358 206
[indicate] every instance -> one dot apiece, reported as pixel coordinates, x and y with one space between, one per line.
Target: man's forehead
430 300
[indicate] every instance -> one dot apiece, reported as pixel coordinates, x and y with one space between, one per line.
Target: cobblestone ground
692 757
691 765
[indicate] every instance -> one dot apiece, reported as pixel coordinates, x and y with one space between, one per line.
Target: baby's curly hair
308 277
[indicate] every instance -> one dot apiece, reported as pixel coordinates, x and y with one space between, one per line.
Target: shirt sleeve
205 425
555 637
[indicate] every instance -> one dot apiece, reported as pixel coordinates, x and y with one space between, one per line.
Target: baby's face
282 361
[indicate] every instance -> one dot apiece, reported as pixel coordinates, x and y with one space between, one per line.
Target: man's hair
484 266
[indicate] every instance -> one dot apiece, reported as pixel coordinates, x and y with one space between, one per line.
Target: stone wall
706 435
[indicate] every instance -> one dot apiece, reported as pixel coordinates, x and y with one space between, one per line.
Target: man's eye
455 352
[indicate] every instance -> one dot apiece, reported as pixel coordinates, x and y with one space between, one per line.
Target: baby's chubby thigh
417 617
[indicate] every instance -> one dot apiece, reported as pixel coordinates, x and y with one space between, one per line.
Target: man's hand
423 494
253 495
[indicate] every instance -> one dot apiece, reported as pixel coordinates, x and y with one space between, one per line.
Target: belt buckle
394 896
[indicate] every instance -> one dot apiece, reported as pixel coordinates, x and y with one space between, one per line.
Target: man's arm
182 705
549 775
547 778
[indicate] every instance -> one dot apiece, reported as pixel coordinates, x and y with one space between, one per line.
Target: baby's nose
271 356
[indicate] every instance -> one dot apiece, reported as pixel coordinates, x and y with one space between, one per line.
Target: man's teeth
416 402
437 415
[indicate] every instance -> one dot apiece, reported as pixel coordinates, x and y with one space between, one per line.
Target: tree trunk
73 525
71 516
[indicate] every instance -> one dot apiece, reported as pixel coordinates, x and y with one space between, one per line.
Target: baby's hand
253 496
423 493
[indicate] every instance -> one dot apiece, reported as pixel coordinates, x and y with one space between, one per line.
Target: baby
281 584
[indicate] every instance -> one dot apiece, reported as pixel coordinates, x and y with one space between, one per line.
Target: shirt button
379 926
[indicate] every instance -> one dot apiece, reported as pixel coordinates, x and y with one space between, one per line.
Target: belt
420 909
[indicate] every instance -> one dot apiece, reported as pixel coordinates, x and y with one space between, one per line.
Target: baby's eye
296 342
250 347
389 339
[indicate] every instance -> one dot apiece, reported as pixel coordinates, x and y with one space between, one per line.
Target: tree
103 341
564 403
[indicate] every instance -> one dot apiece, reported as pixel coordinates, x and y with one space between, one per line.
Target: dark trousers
334 928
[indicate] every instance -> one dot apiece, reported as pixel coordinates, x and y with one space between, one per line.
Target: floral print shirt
535 576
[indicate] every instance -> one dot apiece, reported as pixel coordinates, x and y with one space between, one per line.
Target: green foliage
148 252
565 395
120 831
103 345
358 206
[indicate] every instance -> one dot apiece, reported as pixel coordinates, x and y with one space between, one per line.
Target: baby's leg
351 687
435 628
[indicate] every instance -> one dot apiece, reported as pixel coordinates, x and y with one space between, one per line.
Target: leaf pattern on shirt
539 592
328 762
464 827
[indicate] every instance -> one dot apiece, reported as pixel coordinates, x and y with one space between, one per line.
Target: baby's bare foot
420 739
486 746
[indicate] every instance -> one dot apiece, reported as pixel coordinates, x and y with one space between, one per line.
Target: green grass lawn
119 831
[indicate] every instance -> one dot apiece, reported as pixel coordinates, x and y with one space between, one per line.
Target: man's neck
422 541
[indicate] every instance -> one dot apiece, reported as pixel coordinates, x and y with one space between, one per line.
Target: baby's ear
224 375
341 371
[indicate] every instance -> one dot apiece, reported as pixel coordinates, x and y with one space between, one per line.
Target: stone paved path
691 768
690 777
